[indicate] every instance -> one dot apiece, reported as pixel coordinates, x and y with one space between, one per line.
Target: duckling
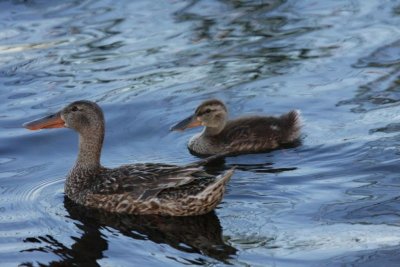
243 135
144 188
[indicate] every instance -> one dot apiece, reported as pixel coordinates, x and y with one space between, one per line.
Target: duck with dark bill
249 134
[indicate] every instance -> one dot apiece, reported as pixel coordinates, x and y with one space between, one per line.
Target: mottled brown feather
148 188
256 133
249 134
196 193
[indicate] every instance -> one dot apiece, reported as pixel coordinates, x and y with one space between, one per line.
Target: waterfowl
238 136
148 188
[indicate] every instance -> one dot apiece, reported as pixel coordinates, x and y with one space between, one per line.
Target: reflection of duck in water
135 189
192 234
243 135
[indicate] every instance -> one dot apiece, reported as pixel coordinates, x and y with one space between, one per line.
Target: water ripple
331 200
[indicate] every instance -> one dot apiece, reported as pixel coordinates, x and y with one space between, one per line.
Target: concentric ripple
332 200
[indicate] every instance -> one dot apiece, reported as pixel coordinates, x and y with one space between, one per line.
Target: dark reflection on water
331 200
390 128
385 90
384 257
249 163
198 234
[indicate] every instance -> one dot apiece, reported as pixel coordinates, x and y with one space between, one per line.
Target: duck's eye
207 111
74 108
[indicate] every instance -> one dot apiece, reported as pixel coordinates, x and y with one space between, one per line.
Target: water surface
332 200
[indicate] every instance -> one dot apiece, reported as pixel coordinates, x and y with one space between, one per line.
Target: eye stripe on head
208 110
212 105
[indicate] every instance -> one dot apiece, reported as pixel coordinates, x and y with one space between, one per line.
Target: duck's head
80 115
211 114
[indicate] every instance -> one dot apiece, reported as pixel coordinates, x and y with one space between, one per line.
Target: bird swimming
144 188
249 134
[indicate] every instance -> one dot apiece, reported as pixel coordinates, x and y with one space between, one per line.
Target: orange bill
52 121
189 122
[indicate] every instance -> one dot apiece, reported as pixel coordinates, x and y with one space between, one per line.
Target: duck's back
154 188
258 133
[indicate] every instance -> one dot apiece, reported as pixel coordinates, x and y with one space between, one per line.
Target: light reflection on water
331 200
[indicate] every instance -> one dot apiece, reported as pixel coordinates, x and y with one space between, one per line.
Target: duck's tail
221 180
213 193
292 124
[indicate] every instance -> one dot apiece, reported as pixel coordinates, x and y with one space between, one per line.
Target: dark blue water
332 201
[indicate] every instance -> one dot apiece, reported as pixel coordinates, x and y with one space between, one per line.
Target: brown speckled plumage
148 188
242 135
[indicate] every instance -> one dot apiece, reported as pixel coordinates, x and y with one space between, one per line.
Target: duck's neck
212 131
90 144
86 166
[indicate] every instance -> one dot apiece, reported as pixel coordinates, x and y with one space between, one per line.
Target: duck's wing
246 134
144 181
